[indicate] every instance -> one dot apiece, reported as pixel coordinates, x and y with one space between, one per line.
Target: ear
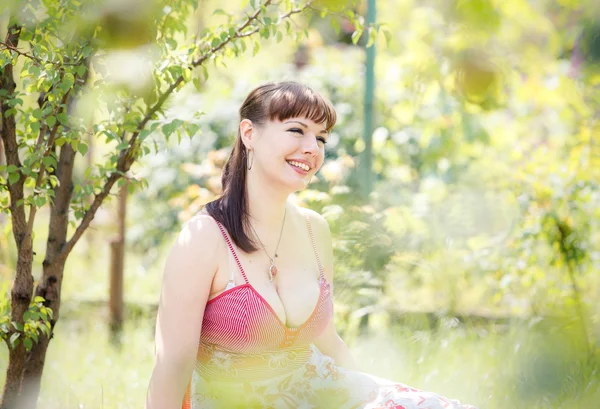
247 132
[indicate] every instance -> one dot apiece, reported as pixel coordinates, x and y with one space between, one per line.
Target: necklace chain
272 268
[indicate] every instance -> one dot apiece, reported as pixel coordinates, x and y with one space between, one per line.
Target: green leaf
192 129
13 177
28 343
187 74
40 201
49 161
54 181
196 82
87 51
35 127
80 70
37 113
82 148
13 338
34 316
356 36
169 128
26 35
68 81
372 34
63 119
38 298
50 121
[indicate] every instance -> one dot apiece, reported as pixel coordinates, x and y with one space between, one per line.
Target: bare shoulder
318 222
322 236
201 227
196 245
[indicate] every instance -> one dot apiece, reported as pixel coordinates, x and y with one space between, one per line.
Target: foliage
36 320
486 172
73 74
486 161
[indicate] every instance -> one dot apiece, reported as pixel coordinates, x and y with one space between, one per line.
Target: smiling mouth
299 165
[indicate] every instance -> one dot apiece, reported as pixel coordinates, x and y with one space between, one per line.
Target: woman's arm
188 273
329 342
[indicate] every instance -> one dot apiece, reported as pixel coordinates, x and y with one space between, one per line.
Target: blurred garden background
463 197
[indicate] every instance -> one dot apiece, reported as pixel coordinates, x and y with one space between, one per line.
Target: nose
311 145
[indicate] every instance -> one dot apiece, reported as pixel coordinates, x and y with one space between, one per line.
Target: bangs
293 100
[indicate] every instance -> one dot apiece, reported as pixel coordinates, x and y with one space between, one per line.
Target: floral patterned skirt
319 383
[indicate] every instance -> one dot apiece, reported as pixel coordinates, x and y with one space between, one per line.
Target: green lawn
491 367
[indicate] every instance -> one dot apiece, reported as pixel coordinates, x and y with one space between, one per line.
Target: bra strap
312 239
237 260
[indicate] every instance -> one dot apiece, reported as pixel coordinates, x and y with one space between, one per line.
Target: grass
514 367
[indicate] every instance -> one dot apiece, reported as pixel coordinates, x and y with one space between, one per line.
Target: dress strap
237 260
312 239
231 282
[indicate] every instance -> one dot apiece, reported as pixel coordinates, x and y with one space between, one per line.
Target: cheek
320 160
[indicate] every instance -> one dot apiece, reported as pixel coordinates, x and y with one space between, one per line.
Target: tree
59 52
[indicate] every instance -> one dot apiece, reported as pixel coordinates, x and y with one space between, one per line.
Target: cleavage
301 299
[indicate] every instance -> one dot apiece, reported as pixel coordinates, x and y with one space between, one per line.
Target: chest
241 320
294 293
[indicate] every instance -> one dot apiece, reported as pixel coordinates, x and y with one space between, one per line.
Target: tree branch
40 176
127 156
9 139
37 60
24 54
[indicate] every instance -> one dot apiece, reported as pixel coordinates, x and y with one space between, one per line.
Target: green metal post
367 156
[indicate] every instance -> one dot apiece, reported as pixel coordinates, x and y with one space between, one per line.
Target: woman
245 314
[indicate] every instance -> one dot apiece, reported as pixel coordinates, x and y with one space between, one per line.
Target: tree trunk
52 275
117 266
23 283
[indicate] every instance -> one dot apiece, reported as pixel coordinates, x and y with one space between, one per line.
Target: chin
292 186
295 187
290 182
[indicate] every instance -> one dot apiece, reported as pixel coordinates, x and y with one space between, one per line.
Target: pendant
272 271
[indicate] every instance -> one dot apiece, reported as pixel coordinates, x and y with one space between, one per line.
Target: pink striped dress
248 358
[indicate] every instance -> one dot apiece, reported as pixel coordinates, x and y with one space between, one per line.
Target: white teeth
299 165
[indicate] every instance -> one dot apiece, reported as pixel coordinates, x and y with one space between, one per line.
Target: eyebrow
306 126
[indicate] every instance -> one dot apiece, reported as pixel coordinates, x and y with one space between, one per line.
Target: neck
266 203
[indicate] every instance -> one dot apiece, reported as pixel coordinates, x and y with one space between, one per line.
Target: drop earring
248 159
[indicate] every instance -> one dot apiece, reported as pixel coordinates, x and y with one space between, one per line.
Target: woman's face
287 152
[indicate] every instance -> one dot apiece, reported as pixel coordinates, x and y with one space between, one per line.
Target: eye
297 130
320 138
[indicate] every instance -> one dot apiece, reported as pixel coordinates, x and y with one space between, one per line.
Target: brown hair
272 101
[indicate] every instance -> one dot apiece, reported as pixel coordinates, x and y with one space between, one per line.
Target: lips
300 170
301 165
